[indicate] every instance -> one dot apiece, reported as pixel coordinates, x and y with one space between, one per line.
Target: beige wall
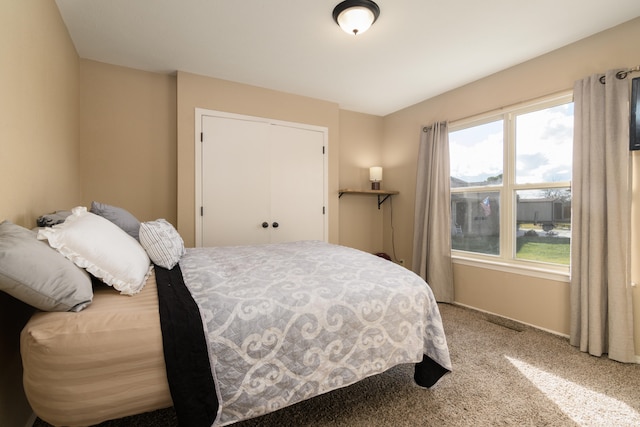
360 148
38 112
132 144
39 145
196 91
128 154
536 301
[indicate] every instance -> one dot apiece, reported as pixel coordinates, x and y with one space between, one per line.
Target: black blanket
185 351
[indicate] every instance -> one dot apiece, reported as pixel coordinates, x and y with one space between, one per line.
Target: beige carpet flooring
504 374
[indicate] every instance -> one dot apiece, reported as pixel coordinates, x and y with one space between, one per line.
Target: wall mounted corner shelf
382 194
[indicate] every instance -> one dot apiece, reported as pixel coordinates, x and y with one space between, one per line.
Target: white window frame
506 260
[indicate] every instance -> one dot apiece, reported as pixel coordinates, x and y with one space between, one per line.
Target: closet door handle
275 225
265 224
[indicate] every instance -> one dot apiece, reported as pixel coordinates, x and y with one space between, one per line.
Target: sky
543 148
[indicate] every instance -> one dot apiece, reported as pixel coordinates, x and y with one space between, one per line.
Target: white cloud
544 148
544 145
476 153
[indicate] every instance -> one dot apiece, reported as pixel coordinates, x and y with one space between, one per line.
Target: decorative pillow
162 242
39 276
118 216
103 248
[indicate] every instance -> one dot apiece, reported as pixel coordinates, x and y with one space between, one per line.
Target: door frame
202 112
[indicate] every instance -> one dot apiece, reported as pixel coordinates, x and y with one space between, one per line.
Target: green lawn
481 244
544 249
534 248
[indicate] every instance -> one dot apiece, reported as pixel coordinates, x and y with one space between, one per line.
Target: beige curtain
601 310
432 228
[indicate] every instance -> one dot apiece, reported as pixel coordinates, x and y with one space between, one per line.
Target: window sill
558 274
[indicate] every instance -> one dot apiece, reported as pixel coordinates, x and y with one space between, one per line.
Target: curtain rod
428 128
622 74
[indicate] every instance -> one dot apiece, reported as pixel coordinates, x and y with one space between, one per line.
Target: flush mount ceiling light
356 16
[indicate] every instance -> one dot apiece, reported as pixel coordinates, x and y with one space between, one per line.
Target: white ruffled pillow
103 248
162 242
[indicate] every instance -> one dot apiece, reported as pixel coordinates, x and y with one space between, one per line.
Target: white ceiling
417 49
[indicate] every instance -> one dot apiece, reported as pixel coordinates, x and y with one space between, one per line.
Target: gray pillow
36 274
120 217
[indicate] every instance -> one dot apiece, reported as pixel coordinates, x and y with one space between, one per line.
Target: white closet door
297 184
261 181
235 182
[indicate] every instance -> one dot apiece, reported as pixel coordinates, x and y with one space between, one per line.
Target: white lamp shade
355 20
375 174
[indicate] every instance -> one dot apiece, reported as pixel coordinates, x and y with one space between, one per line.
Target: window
511 184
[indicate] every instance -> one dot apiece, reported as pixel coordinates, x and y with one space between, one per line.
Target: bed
232 333
102 363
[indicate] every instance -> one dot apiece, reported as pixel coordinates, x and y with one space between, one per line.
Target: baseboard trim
511 319
637 356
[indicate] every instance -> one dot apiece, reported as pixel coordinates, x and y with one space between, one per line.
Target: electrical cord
393 243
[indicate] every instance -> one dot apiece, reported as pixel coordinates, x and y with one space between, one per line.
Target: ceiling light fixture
356 16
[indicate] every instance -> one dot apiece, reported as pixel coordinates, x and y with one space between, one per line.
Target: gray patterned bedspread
286 322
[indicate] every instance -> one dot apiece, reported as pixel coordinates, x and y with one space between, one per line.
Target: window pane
476 155
544 225
475 222
544 141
